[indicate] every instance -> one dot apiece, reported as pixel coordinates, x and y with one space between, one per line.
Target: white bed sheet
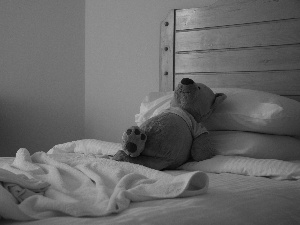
50 185
238 193
231 199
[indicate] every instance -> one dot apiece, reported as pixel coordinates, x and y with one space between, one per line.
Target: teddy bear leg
134 140
148 161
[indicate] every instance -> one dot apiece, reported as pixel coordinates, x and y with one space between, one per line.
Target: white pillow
243 110
256 111
255 145
272 168
152 105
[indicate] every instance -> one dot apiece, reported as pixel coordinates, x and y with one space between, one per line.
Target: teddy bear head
196 98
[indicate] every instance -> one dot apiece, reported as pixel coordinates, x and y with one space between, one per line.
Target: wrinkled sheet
88 185
231 199
241 191
271 168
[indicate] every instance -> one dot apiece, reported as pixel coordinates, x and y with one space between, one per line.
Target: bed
249 50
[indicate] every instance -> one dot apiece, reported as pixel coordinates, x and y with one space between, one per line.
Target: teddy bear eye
199 88
128 132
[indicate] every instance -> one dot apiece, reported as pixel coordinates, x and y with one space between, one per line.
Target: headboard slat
223 13
249 59
235 43
274 33
278 82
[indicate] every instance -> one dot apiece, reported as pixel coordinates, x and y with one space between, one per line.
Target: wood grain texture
278 82
224 13
272 33
249 59
239 43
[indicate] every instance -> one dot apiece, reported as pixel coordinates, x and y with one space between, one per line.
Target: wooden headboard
252 44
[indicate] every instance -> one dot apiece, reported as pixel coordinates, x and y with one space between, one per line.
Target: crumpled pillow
243 110
248 144
256 111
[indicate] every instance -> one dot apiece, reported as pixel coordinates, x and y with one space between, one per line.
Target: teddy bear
175 136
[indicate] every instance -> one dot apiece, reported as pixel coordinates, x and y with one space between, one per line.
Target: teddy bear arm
148 161
202 148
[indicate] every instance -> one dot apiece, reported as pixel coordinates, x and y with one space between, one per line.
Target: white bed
231 46
231 198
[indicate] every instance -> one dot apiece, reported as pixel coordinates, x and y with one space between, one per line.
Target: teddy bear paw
134 140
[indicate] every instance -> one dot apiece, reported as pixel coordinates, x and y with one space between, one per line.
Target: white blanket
89 185
275 169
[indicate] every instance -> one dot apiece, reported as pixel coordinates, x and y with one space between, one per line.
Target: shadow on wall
25 124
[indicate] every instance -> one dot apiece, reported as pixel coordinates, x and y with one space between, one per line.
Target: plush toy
170 139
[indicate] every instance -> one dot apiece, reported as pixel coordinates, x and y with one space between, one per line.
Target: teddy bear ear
219 98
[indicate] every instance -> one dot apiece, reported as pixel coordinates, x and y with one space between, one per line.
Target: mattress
231 199
239 190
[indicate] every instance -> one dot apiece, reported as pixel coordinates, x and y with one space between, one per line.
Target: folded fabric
153 104
276 169
20 186
23 161
87 146
255 145
11 209
84 185
20 193
23 181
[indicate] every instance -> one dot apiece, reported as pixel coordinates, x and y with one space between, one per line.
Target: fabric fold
85 185
272 168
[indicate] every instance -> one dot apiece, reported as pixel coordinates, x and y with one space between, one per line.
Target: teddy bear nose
187 81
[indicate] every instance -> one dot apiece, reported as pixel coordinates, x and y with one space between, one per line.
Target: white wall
43 91
122 60
41 73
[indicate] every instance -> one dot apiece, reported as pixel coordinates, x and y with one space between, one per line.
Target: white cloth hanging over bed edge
88 185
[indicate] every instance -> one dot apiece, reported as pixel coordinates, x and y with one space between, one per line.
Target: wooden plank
278 82
230 12
166 71
251 59
273 33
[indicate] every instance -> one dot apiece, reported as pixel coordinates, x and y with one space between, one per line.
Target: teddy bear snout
187 81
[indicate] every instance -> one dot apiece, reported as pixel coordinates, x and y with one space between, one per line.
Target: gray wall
122 60
41 73
74 69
